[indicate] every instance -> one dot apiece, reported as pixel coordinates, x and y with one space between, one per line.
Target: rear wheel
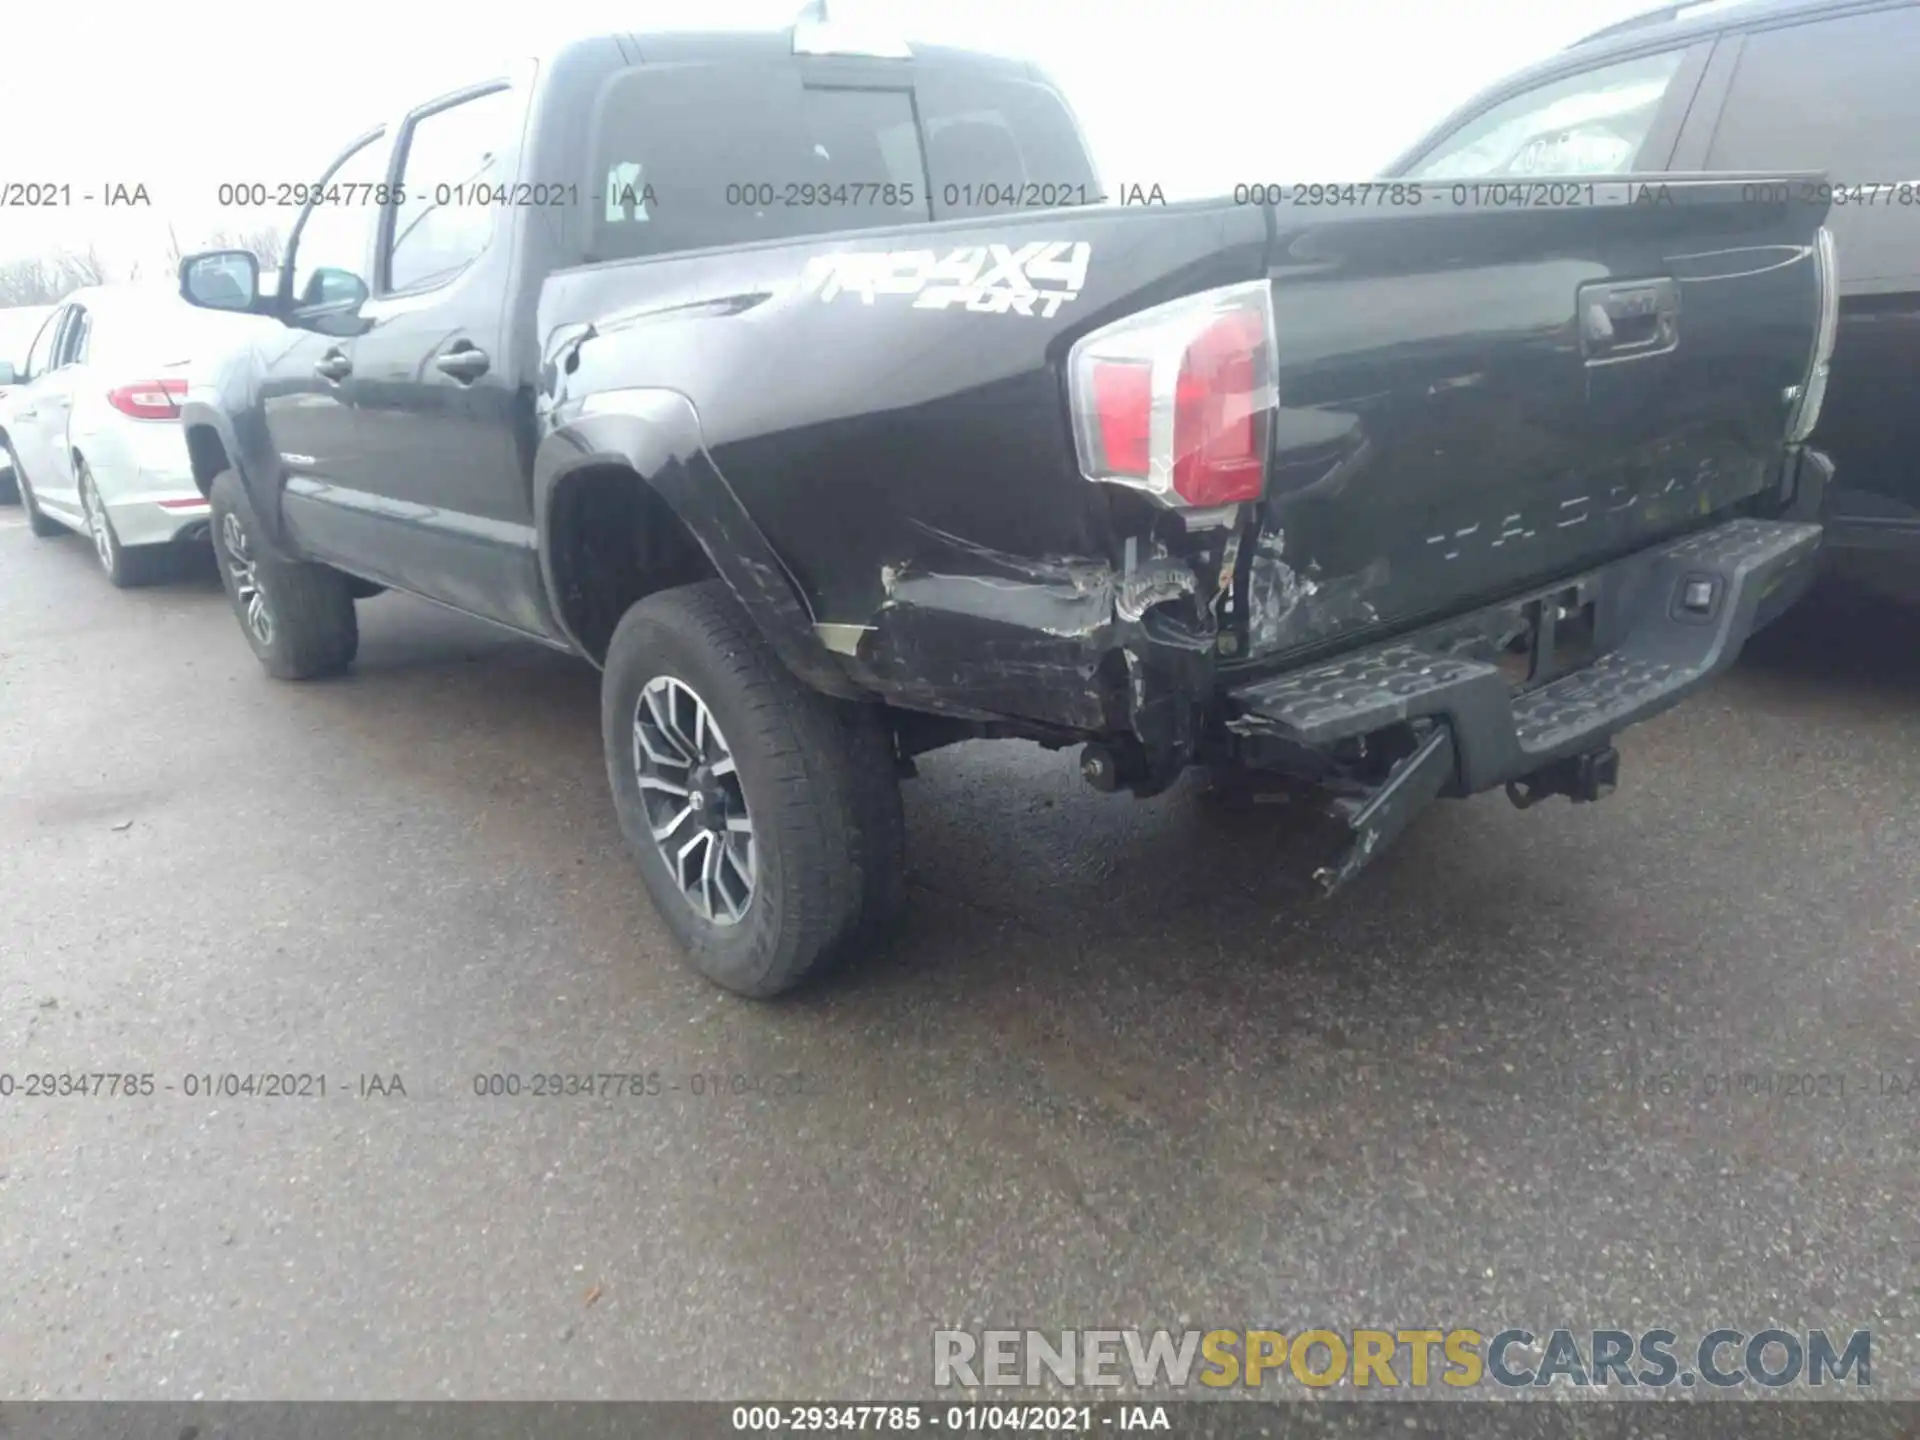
765 817
297 616
125 568
37 520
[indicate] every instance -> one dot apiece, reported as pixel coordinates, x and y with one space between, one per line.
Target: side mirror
329 303
8 375
220 280
334 289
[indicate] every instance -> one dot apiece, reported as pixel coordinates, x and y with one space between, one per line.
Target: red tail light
149 399
1123 411
1178 400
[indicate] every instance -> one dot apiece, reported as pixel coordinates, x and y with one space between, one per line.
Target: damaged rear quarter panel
912 463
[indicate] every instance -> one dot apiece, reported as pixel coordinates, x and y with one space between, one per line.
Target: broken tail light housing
149 399
1806 410
1178 400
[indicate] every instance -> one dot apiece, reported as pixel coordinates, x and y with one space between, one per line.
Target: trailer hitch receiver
1581 778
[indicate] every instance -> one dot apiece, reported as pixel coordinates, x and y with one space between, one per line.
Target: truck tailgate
1477 395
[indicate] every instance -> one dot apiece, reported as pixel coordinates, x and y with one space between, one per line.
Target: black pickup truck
745 367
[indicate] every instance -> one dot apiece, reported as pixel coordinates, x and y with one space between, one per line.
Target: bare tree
28 282
43 279
85 267
266 243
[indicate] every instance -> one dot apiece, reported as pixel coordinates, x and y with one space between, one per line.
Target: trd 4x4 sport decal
1035 279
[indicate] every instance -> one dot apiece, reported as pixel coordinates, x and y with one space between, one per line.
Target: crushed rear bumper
1532 690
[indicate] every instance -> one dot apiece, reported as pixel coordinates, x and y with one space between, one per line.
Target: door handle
26 414
1625 320
466 363
334 365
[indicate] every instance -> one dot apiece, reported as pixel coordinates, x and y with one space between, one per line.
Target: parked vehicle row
90 427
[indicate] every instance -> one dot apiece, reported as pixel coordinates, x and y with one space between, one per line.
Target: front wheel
765 817
297 616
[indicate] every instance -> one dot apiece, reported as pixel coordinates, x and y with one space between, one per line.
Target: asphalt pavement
1119 1070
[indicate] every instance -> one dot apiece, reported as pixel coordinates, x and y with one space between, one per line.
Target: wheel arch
208 452
629 502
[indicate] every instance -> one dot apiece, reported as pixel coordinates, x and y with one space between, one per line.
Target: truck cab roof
759 47
763 46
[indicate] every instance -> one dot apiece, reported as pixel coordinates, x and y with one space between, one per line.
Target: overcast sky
1194 95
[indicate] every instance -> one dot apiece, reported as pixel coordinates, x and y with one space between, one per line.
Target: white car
92 427
18 324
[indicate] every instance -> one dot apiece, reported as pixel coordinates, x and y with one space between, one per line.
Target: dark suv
1809 85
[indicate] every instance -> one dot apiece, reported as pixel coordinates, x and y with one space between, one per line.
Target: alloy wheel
248 597
695 807
97 524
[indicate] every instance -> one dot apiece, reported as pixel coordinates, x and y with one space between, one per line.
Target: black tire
38 521
125 568
310 629
817 776
9 487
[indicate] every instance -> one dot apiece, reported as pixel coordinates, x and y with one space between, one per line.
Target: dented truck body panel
1447 429
1520 472
889 408
907 450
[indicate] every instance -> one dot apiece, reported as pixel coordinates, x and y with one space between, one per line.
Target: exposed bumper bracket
1656 654
1379 819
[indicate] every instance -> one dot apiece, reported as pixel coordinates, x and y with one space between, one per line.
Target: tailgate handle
1626 320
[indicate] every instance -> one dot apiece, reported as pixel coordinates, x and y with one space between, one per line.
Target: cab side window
1593 123
1855 114
453 180
334 238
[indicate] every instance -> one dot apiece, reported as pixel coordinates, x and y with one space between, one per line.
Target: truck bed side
889 409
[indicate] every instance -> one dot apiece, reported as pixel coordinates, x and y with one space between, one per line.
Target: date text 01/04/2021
199 1085
967 1418
318 1085
754 194
1563 193
347 194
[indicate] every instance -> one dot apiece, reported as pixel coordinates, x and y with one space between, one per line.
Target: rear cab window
687 156
997 143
